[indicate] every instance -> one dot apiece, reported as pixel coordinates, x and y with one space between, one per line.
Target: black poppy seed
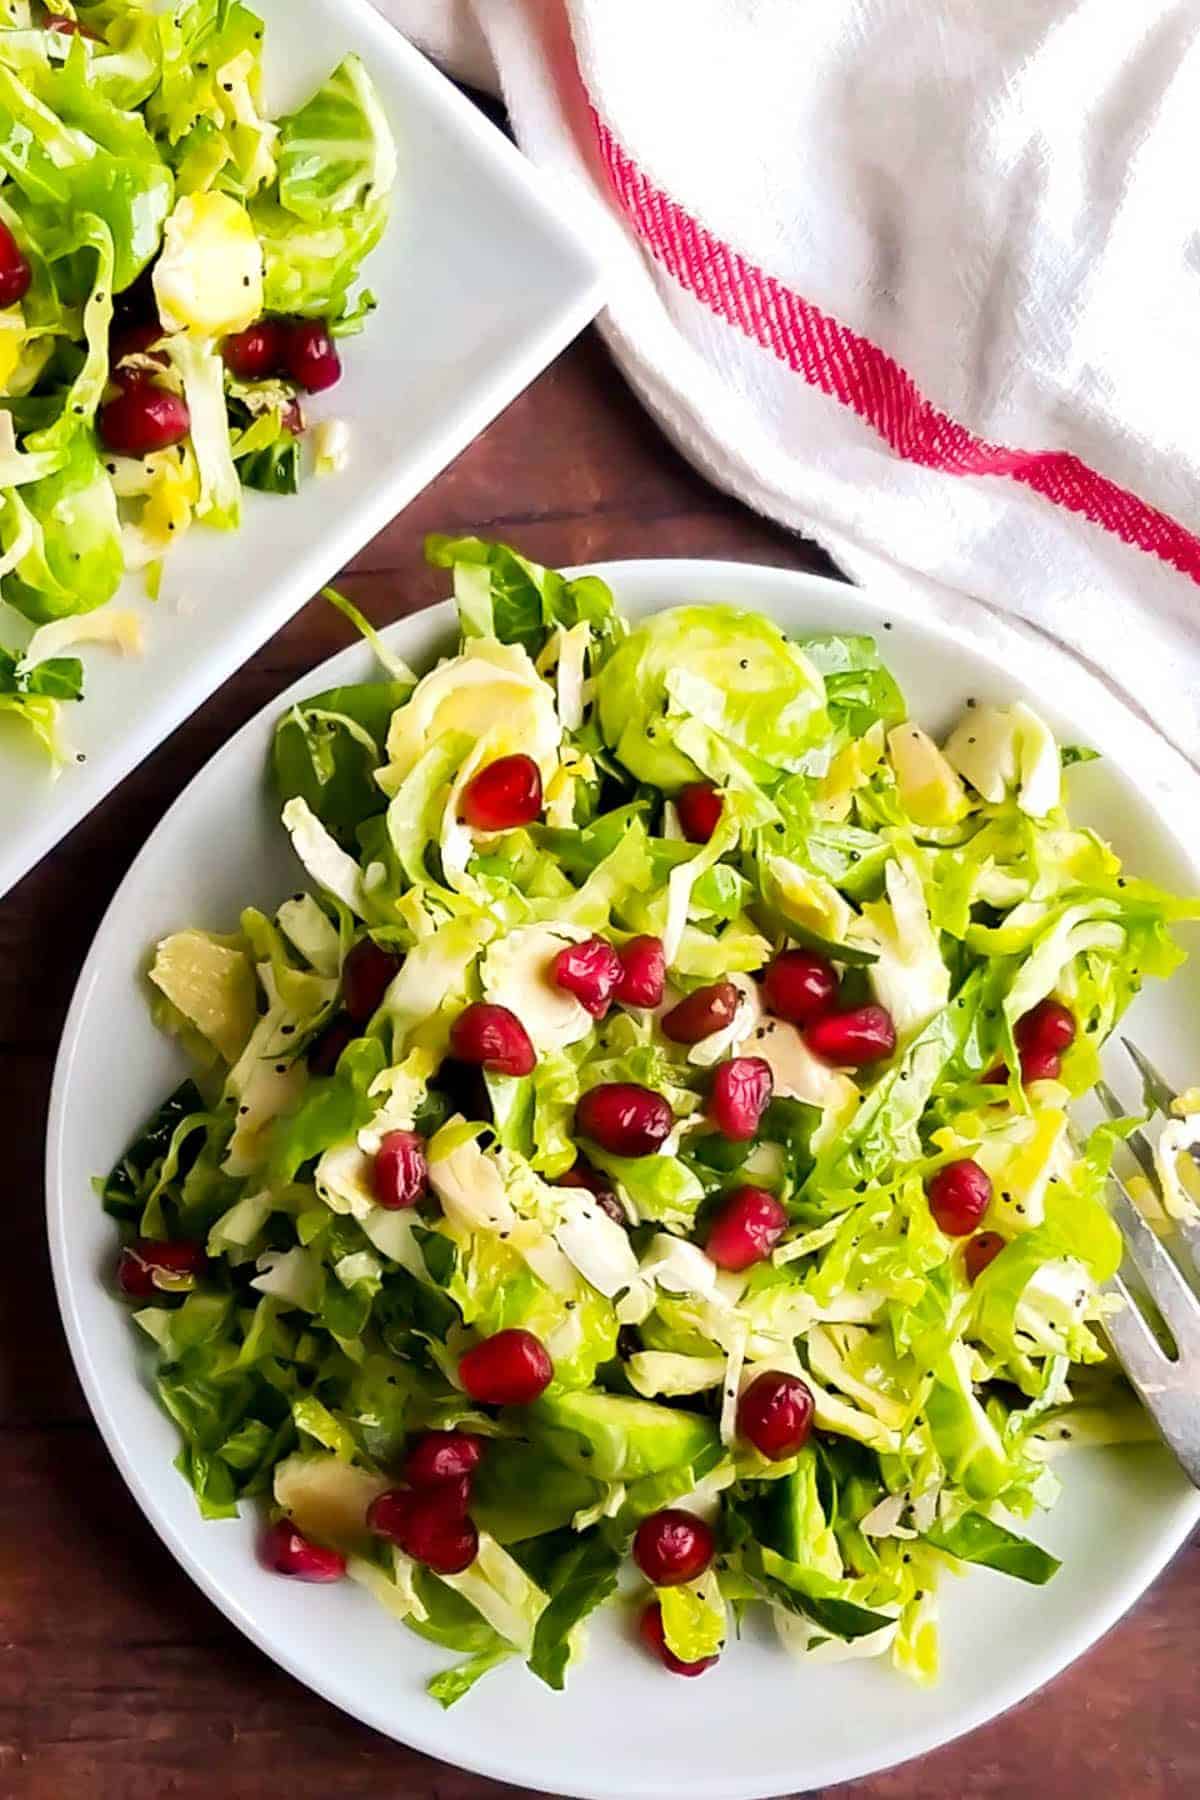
971 703
243 1109
228 86
111 467
907 1556
1120 881
744 663
80 757
281 1068
287 1030
887 624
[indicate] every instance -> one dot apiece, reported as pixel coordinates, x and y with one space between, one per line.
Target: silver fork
1168 1384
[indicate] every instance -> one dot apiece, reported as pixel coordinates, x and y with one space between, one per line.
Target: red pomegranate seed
980 1251
15 272
996 1076
673 1546
746 1229
256 353
852 1039
72 28
439 1456
624 1119
135 340
1040 1064
504 794
510 1369
590 971
367 973
492 1037
326 1048
582 1176
958 1196
142 418
400 1175
739 1096
429 1524
1049 1026
289 1552
139 1261
775 1414
643 972
310 355
650 1628
699 807
709 1009
801 986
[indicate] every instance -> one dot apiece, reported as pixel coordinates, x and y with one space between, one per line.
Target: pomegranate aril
746 1229
801 986
673 1546
289 1552
699 807
650 1628
981 1251
739 1096
581 1176
138 1262
504 794
142 418
958 1196
15 272
310 355
1040 1064
709 1009
1048 1026
510 1369
256 353
494 1038
135 340
326 1048
624 1119
590 971
775 1414
367 973
429 1524
440 1456
400 1174
866 1034
72 28
643 972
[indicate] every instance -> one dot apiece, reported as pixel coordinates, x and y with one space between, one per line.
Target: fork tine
1155 1087
1137 1141
1142 1356
1168 1288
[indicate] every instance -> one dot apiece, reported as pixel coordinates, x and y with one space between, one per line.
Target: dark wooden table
117 1678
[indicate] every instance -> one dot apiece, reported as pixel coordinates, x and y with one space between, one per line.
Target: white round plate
758 1724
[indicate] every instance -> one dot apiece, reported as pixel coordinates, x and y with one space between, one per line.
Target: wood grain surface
117 1678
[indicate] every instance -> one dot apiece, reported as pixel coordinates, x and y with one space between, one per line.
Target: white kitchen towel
918 278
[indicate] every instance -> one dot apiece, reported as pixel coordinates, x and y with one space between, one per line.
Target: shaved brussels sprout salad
175 268
639 1159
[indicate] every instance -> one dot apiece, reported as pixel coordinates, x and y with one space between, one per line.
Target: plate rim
470 1756
190 687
